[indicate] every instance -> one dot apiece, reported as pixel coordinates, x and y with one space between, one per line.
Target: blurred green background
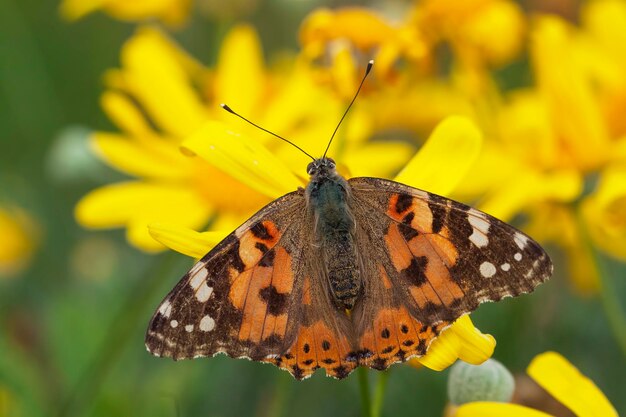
72 321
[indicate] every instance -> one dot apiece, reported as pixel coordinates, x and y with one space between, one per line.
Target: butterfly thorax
334 228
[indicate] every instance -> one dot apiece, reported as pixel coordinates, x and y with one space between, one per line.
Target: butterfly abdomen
334 238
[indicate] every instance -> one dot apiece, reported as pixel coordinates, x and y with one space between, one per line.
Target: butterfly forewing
238 298
445 258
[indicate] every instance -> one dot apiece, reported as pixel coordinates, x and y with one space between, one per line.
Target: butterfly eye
331 163
310 168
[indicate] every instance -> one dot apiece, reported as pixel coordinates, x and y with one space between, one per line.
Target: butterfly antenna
228 109
367 71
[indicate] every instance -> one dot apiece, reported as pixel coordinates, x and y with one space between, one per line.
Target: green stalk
608 295
379 393
364 387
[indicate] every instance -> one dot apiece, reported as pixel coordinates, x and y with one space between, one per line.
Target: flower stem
608 295
379 393
364 385
610 303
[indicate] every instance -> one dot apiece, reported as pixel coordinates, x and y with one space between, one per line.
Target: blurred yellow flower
548 142
162 98
173 12
20 237
562 380
479 31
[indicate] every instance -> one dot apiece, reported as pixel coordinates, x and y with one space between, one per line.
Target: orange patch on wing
249 252
423 220
392 210
401 256
418 295
406 331
384 277
255 308
282 279
239 288
445 249
385 334
394 336
317 346
437 273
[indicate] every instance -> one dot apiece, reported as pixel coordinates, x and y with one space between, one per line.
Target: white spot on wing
204 292
505 266
198 278
481 228
520 240
207 324
517 256
166 309
174 323
479 239
487 269
189 328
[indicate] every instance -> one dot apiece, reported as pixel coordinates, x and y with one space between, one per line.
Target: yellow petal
186 241
361 26
240 76
445 158
604 212
117 204
20 236
159 81
149 159
564 382
389 157
243 158
125 114
488 409
460 341
574 111
476 347
76 9
530 187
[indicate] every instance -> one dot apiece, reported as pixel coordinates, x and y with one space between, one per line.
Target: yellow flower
562 380
19 240
547 142
162 98
173 12
489 31
455 143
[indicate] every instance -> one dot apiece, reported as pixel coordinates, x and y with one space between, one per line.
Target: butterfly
341 274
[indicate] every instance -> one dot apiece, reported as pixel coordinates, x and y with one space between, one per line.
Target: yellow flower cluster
553 150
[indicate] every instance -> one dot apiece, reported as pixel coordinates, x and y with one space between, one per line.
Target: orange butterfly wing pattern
264 292
237 299
438 260
253 296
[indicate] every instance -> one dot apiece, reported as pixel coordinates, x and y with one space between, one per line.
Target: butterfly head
322 167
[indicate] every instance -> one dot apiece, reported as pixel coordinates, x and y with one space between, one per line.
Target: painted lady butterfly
344 273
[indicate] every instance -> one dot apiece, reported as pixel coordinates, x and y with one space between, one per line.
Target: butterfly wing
238 298
257 295
430 260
